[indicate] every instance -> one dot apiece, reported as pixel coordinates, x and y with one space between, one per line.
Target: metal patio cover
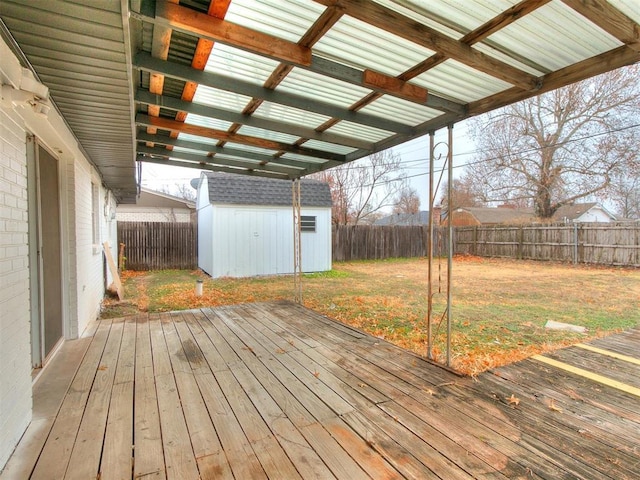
284 88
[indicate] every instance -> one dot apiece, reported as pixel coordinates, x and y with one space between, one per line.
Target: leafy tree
361 189
561 146
407 201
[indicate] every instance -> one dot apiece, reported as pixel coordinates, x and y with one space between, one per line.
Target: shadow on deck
278 391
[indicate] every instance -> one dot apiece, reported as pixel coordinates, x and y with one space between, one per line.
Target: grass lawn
499 306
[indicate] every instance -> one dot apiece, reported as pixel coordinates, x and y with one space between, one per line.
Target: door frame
36 278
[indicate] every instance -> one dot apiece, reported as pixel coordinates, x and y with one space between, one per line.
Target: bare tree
625 195
407 201
561 146
463 193
360 190
181 190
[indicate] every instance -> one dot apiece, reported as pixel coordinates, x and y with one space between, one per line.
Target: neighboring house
583 213
55 213
153 206
420 218
470 216
245 225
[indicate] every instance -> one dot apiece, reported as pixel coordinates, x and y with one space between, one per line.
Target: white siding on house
15 340
595 214
129 213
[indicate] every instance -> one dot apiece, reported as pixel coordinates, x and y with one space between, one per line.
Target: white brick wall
15 341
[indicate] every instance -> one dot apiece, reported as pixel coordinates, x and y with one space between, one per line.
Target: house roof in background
284 88
150 197
491 215
420 218
225 188
573 212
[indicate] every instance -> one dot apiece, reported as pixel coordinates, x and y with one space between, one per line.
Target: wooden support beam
610 19
212 168
588 68
203 25
218 160
209 149
414 31
171 103
144 61
224 32
379 81
172 125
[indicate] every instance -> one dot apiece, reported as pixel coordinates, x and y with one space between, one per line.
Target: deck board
277 391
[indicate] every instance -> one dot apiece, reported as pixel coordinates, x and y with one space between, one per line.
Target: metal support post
450 239
430 249
297 244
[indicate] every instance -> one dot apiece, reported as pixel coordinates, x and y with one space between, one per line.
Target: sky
414 157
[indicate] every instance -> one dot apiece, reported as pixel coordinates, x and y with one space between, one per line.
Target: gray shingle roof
571 212
225 188
492 215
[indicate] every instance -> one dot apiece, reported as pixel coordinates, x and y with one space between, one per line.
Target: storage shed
245 225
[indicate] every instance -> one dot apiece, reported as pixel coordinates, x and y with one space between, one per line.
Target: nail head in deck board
56 453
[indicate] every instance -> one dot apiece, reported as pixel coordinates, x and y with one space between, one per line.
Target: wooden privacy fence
594 243
368 242
159 245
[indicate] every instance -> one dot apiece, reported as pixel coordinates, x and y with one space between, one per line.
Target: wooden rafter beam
172 125
610 19
144 61
205 26
204 47
208 149
393 22
211 168
588 68
171 103
291 54
219 160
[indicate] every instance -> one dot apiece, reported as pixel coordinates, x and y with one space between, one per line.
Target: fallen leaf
316 374
553 407
429 391
279 350
102 367
362 385
513 400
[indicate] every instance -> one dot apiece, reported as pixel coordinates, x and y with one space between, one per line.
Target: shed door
255 243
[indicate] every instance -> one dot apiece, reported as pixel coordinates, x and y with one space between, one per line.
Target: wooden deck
278 391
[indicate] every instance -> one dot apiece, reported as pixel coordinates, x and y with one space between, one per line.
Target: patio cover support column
430 249
297 244
449 239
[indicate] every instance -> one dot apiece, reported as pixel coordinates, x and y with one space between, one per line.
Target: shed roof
225 188
284 88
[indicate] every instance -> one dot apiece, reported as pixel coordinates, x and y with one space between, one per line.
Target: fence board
370 242
159 245
603 244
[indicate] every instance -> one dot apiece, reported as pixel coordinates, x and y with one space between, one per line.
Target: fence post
575 243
